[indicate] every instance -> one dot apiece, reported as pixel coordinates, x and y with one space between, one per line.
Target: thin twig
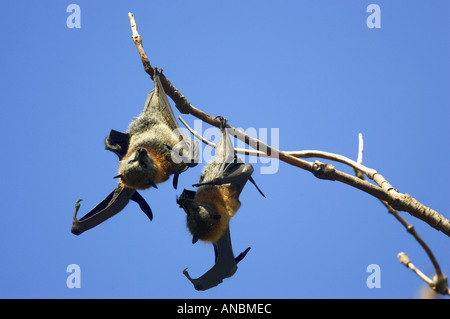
404 259
410 228
440 285
331 156
360 148
359 159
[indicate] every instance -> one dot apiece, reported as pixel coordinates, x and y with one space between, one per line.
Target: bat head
201 219
137 170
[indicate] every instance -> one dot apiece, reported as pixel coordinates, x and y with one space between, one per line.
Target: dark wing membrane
110 206
224 267
235 173
145 207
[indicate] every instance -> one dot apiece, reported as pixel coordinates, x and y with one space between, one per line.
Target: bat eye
144 165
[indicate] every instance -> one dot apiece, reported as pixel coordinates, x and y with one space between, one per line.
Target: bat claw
185 272
223 121
196 284
151 183
254 183
175 180
77 207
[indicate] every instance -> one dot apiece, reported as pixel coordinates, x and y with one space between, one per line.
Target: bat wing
232 169
111 205
158 104
117 142
236 173
225 264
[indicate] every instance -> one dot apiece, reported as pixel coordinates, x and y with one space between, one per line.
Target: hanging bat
211 207
150 151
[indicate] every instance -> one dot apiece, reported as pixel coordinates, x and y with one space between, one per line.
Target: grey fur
157 129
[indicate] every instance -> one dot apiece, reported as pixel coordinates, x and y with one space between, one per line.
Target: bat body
217 205
211 207
152 138
150 152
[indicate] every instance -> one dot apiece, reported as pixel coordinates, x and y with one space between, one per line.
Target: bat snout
141 153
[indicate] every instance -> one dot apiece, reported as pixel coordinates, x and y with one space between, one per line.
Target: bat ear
186 195
117 142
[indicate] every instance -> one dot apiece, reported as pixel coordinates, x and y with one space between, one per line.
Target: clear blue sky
312 69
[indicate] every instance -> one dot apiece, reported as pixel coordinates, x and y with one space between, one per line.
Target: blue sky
312 69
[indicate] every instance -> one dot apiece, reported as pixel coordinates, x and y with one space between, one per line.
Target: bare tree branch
439 284
383 190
